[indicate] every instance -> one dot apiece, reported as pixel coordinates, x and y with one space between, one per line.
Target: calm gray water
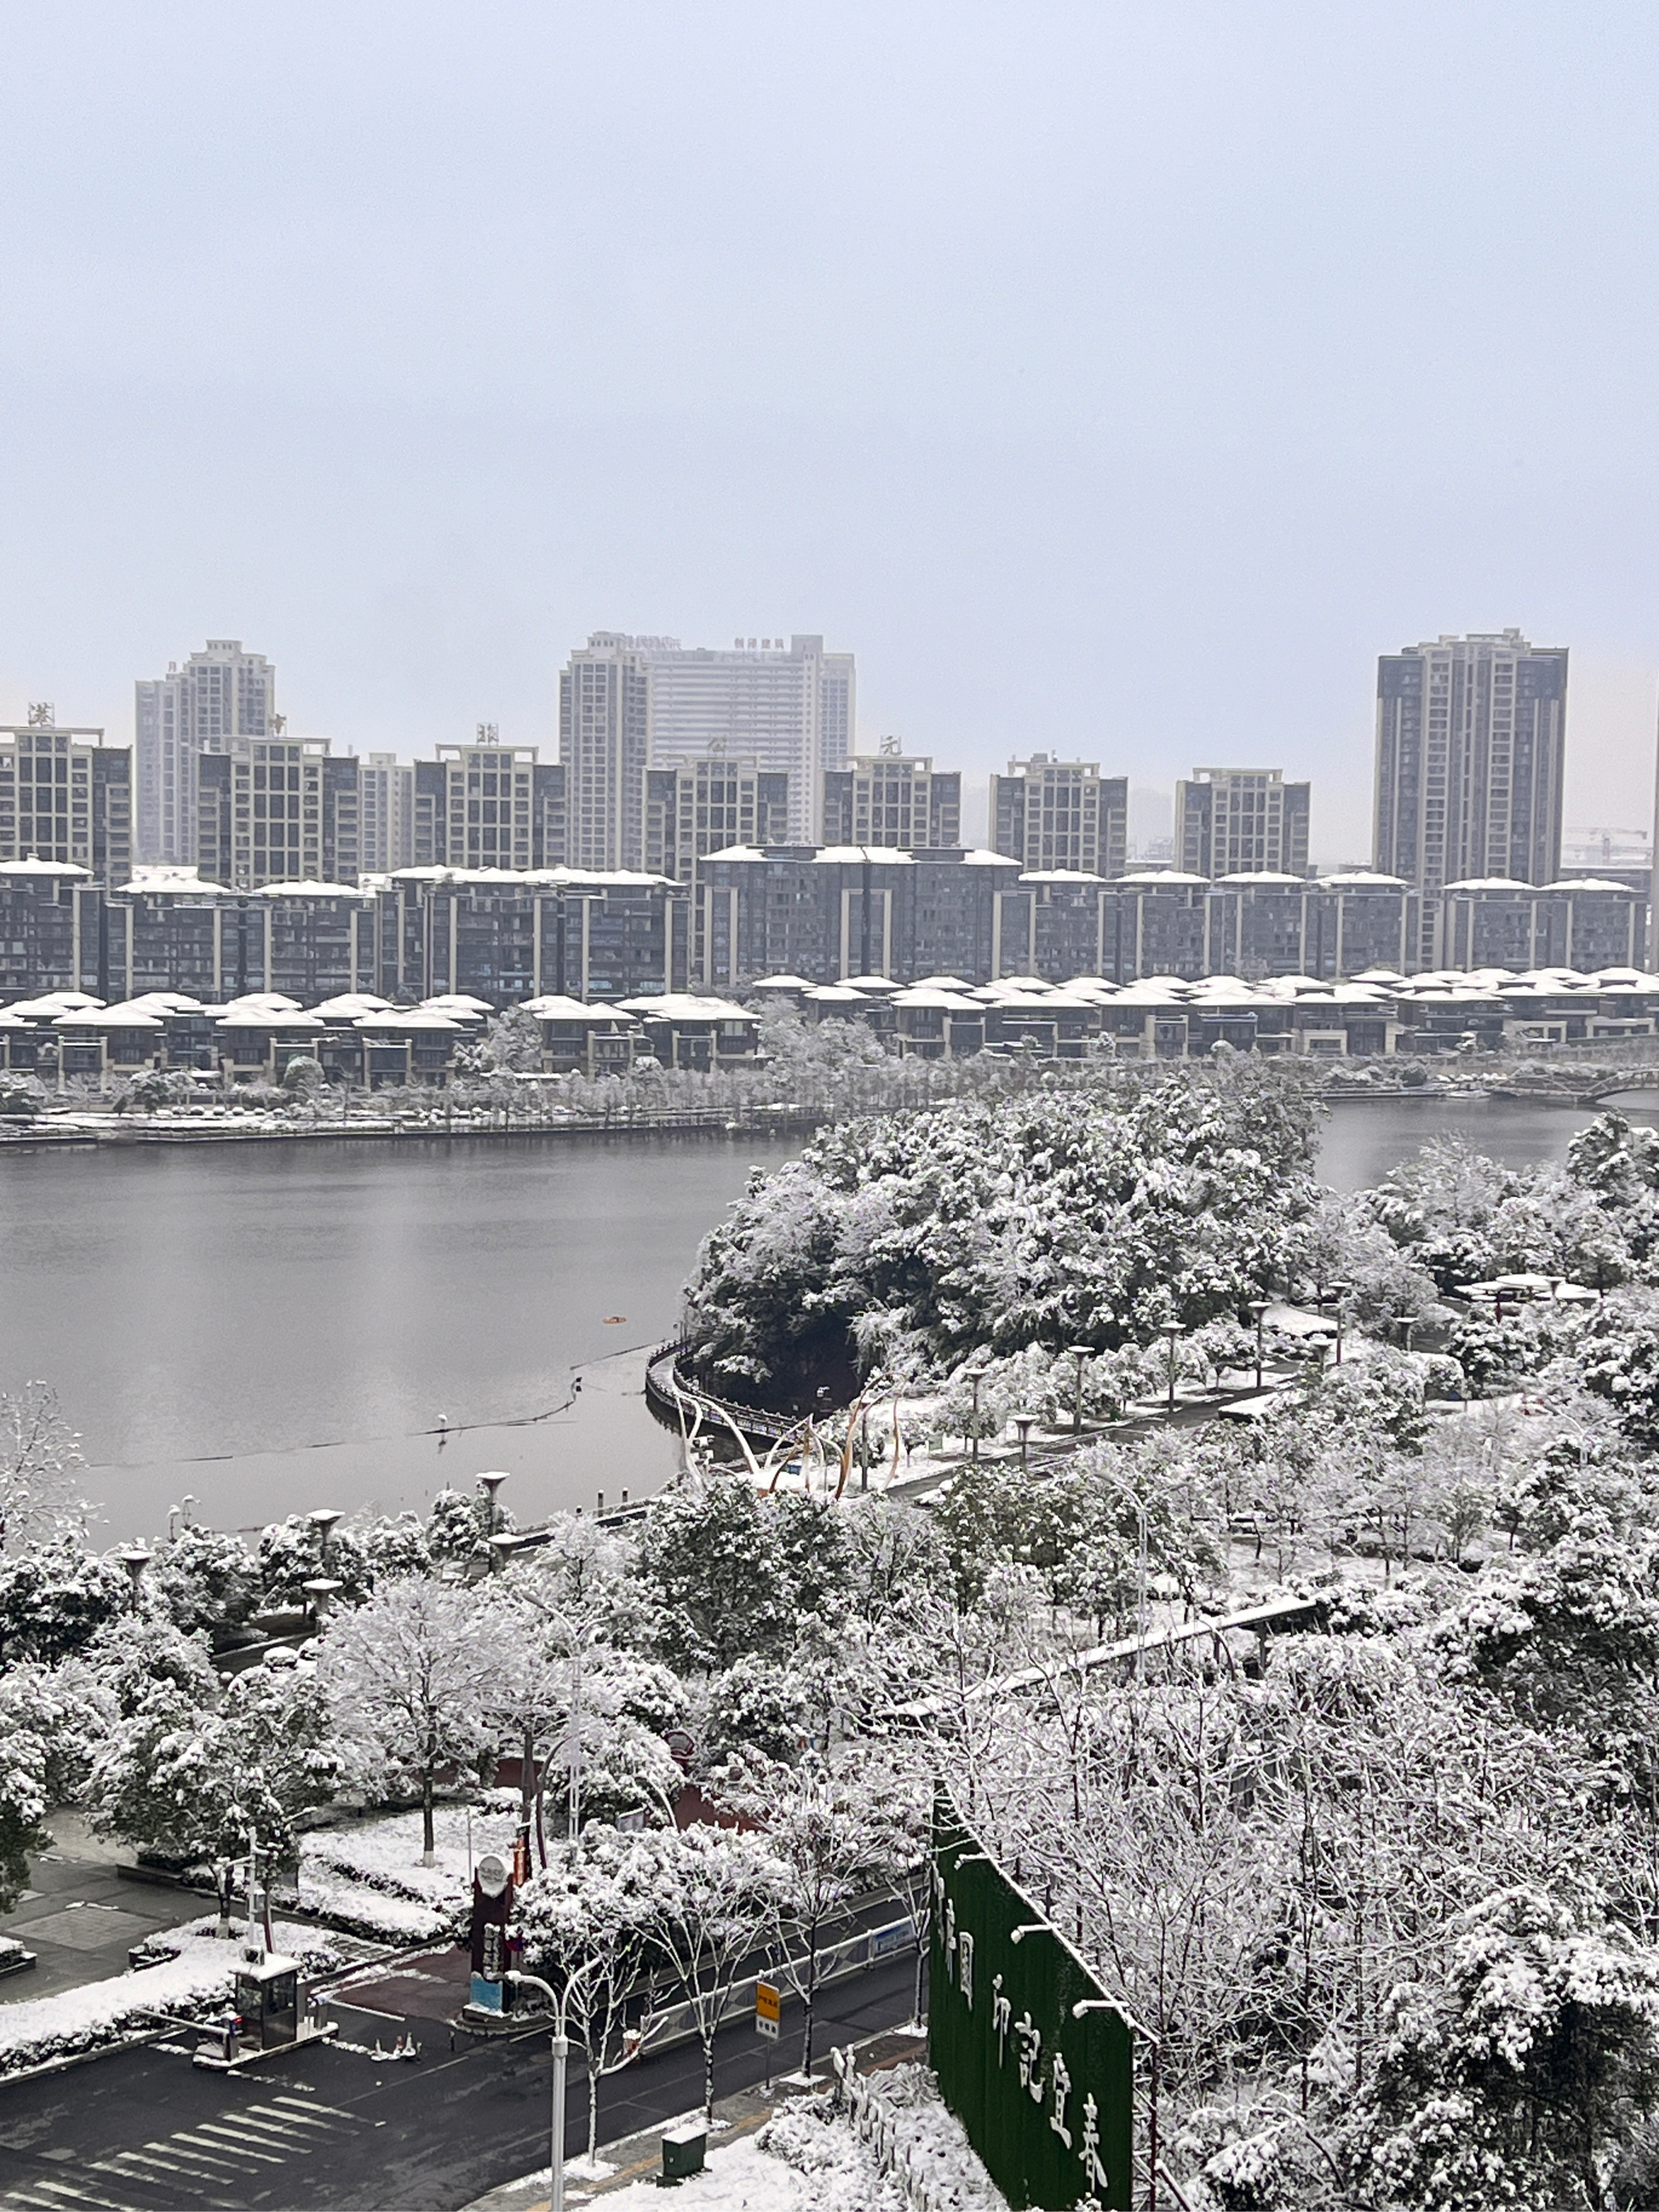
270 1328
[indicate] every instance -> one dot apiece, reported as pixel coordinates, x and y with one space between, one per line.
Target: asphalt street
146 2131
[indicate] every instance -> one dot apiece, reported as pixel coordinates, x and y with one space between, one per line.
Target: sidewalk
639 2157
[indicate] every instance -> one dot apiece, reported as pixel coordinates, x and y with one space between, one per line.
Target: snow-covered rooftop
686 1006
173 882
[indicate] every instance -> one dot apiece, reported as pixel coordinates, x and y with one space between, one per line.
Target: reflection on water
271 1328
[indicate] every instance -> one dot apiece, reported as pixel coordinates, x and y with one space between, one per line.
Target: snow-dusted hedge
926 2142
201 1976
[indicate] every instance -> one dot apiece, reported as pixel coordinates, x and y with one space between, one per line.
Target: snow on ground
369 1877
743 2178
802 2161
38 2028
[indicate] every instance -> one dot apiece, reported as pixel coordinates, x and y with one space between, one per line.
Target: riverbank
71 1130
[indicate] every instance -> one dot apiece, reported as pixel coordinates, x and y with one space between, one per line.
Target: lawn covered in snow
368 1876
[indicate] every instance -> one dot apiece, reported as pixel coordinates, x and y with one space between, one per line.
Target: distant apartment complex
1471 738
65 796
386 813
696 807
628 704
1233 820
488 805
220 695
892 798
1053 814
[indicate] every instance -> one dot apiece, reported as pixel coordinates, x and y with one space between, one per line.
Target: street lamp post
1338 1292
321 1591
134 1561
1023 1422
1082 1354
1405 1324
323 1521
975 1378
561 2059
1259 1307
1170 1331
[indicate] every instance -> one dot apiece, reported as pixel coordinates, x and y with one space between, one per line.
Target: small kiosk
268 2002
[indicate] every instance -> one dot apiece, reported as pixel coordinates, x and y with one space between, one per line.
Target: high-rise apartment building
604 747
278 809
892 797
488 805
628 704
65 796
1471 740
693 808
220 694
385 814
1241 821
1049 814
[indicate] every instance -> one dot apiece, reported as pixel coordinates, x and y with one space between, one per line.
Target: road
146 2131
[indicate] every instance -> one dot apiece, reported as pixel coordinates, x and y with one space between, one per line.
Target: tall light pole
976 1377
1338 1291
1170 1331
1259 1307
1082 1354
561 2059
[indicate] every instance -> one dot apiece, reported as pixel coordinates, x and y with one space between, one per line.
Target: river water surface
269 1327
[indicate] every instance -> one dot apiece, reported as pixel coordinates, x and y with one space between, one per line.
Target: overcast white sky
1117 379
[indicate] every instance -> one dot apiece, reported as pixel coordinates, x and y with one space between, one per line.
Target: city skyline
687 731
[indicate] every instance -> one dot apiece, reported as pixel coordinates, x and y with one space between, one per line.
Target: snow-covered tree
587 1921
711 1893
205 1579
825 1821
200 1775
55 1596
40 1465
729 1573
1518 2075
1041 1220
411 1685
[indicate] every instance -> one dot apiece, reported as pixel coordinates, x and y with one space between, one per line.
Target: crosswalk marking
311 2105
210 2155
75 2196
276 2117
216 2134
200 2164
283 2131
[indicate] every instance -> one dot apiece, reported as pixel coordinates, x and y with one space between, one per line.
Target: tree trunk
592 2109
921 1962
223 1873
709 2073
429 1842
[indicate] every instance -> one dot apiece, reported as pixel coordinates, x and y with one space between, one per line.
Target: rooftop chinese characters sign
1034 2059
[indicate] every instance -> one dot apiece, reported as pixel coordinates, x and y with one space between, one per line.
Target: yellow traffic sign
768 2010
